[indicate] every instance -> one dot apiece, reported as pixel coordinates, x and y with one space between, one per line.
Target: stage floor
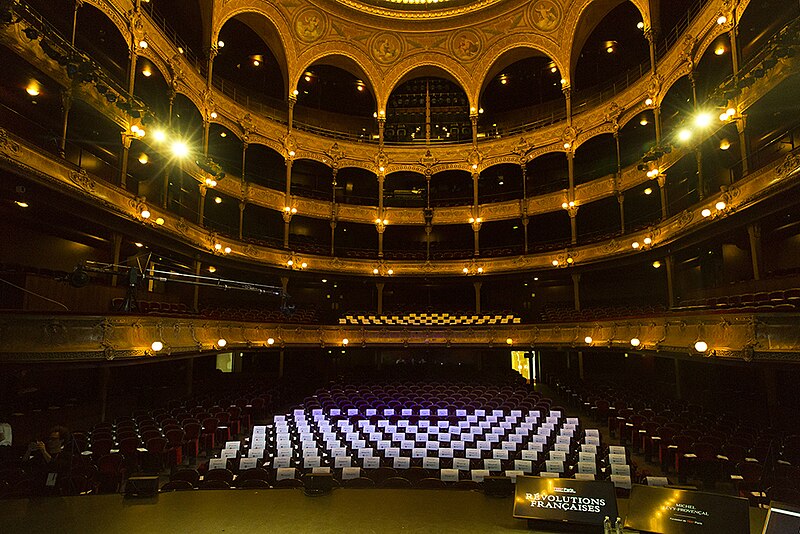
286 510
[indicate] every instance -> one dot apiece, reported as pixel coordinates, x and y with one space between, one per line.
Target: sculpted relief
545 15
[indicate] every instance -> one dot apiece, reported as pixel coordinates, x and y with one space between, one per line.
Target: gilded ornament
545 15
466 45
386 48
309 25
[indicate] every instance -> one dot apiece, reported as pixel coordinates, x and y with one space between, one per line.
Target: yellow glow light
588 340
706 212
701 346
143 158
656 264
156 346
635 342
179 149
221 342
270 341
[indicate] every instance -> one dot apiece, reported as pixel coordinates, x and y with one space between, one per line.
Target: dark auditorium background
589 202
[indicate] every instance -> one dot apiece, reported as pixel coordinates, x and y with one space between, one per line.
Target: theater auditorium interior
366 265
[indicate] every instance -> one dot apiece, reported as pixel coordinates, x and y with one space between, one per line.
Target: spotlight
221 342
179 149
703 120
588 340
212 269
156 346
643 121
146 72
32 89
160 221
635 342
719 50
701 346
684 135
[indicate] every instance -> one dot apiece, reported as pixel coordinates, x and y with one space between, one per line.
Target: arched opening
713 68
191 33
523 87
451 188
264 166
547 173
225 148
598 220
103 43
452 241
760 21
312 179
355 185
500 182
677 108
548 231
334 94
262 226
150 85
595 158
609 53
252 60
636 137
405 189
427 107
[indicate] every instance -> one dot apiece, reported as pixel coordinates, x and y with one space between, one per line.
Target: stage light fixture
179 149
703 120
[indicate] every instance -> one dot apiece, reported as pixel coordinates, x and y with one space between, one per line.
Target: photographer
46 460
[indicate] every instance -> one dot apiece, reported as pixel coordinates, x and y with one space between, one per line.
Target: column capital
662 180
572 211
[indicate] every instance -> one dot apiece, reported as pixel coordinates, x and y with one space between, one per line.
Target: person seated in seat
48 459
